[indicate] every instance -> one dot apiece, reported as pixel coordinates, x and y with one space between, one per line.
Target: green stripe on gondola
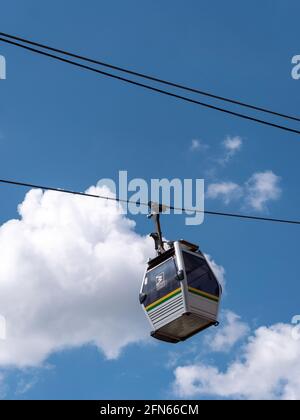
203 294
163 299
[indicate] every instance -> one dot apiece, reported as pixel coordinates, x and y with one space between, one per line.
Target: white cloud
198 146
268 368
261 188
256 193
24 384
226 191
2 328
218 270
229 148
232 146
229 334
70 274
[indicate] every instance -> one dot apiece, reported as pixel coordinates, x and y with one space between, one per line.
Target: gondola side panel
164 299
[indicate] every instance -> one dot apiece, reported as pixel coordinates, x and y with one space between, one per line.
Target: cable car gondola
180 293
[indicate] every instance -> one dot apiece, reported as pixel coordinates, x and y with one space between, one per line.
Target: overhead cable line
152 78
152 88
116 199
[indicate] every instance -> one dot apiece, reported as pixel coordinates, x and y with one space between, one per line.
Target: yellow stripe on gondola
204 294
163 299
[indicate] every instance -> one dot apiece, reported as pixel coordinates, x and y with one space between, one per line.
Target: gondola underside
182 328
173 324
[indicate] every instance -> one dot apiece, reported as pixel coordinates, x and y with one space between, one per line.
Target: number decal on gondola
160 281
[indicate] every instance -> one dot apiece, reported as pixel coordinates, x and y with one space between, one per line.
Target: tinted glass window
160 281
199 274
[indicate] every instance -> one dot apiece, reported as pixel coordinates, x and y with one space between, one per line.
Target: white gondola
180 293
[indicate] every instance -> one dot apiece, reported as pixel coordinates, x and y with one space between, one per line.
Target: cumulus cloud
268 368
261 188
229 334
255 193
231 145
2 328
226 191
26 384
218 270
198 146
70 273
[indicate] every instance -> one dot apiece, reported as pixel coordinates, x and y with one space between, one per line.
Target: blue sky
65 127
